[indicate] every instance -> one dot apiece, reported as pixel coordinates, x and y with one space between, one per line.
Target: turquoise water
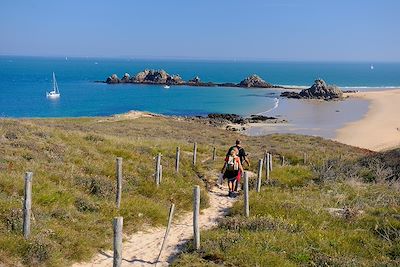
25 80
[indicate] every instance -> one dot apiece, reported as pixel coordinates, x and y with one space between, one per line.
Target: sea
24 82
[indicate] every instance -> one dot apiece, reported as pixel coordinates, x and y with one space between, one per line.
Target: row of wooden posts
118 221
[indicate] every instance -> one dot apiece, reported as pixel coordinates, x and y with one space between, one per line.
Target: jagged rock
319 90
126 78
113 79
254 81
175 79
290 94
195 80
259 118
151 76
234 118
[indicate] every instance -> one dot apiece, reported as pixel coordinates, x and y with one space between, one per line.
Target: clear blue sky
351 30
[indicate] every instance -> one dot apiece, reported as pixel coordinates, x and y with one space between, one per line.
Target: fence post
119 181
171 214
27 204
304 158
283 161
178 153
158 163
265 157
267 167
259 174
214 154
117 243
246 195
196 212
270 162
160 175
194 153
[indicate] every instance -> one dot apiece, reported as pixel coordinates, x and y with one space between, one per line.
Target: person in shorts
231 170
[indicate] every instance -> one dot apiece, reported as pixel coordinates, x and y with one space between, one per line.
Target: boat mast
55 86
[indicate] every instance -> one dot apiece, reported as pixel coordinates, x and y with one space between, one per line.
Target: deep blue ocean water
25 80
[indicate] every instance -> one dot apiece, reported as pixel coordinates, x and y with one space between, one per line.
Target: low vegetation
341 208
339 211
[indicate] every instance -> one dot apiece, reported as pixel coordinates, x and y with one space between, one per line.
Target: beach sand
368 120
379 129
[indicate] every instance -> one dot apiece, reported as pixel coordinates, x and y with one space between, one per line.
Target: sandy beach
379 129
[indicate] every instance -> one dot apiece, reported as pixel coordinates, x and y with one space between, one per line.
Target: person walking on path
243 159
232 168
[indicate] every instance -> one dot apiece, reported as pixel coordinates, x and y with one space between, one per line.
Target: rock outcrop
255 81
319 90
163 78
113 79
156 77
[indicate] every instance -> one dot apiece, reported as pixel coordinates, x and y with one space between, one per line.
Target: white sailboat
55 93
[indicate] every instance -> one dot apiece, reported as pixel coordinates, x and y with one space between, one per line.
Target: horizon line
183 58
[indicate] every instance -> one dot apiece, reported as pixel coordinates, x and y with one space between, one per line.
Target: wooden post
259 174
267 168
196 213
283 161
117 244
158 163
119 182
246 195
171 214
214 153
178 154
194 153
265 157
160 175
270 162
304 158
27 204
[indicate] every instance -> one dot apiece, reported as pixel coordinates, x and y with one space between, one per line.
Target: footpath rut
142 248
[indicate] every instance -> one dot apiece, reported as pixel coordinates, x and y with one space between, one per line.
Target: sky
298 30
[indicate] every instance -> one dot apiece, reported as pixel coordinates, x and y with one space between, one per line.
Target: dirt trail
142 248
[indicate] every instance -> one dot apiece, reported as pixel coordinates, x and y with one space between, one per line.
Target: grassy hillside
344 212
73 161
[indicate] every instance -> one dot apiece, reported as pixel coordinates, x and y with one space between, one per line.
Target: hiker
243 158
232 168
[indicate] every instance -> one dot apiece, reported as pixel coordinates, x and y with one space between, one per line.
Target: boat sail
55 93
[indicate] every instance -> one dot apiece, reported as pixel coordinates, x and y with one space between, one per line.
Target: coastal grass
74 186
303 219
73 161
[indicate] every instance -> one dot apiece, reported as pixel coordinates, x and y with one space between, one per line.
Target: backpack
232 164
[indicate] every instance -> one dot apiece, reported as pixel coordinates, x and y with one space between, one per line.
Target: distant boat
372 67
167 86
66 58
55 93
96 63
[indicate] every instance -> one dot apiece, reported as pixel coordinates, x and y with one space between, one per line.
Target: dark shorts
231 175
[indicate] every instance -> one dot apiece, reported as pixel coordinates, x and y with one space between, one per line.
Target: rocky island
161 77
319 90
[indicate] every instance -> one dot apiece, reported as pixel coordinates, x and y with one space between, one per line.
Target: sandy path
380 127
142 248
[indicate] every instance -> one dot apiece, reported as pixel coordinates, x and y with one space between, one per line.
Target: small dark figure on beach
231 170
243 159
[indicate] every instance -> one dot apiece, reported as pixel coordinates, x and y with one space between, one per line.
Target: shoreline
379 129
365 119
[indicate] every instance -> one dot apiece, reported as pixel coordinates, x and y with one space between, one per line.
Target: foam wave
276 104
